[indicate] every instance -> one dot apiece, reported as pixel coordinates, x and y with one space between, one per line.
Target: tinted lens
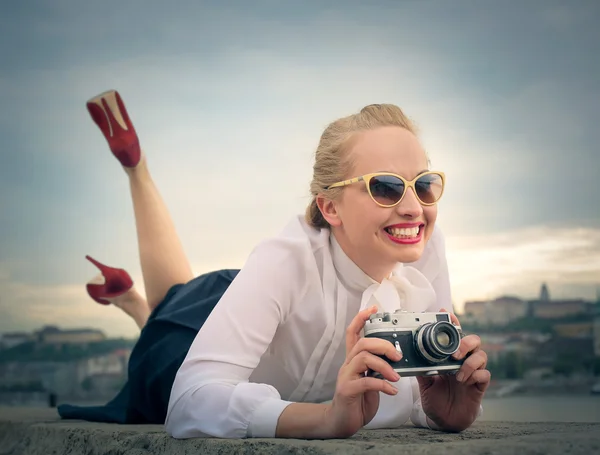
429 188
386 189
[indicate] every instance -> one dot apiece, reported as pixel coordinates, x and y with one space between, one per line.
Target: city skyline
548 298
234 98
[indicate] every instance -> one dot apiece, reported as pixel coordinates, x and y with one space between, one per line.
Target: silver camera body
426 341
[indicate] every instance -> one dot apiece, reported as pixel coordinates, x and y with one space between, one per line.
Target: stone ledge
41 432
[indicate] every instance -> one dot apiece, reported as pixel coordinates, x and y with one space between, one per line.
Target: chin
405 253
411 254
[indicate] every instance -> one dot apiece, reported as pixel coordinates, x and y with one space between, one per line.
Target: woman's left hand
452 402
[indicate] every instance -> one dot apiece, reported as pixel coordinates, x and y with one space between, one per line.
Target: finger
354 329
366 384
469 344
377 346
481 379
365 361
453 317
477 361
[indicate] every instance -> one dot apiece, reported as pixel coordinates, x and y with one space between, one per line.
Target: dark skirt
159 352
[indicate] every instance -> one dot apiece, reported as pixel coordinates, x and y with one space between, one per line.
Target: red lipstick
405 225
405 241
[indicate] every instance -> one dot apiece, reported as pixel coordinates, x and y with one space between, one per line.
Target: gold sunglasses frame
407 184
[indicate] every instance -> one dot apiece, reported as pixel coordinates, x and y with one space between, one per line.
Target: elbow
202 413
175 432
184 419
177 420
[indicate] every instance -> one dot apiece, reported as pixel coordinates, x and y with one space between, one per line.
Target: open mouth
410 234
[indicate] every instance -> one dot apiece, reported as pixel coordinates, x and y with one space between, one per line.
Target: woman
281 354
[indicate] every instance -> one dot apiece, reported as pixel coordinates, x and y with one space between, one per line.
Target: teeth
404 233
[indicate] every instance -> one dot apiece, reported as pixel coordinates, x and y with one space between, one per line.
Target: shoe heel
109 284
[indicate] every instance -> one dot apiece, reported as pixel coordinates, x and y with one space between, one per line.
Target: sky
229 99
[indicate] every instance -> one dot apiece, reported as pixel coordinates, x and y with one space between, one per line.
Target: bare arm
304 421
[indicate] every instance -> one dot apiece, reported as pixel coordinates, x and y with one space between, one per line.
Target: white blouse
277 335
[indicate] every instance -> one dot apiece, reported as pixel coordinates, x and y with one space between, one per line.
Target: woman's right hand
356 398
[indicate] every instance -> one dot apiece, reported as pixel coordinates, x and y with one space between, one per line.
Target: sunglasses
387 189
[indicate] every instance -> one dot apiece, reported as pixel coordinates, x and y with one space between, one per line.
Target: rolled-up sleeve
394 410
417 415
211 395
217 408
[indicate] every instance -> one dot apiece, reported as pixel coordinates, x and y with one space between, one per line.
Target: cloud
230 103
233 172
481 267
517 262
30 306
563 18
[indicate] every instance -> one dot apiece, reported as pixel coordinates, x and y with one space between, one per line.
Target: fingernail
394 390
460 376
396 376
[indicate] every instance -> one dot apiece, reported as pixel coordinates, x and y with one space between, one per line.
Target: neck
376 270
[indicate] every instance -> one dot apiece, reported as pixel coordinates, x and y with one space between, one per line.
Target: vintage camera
426 341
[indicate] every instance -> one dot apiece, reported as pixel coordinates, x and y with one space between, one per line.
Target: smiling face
374 237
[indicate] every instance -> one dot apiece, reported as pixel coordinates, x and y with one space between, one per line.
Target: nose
410 207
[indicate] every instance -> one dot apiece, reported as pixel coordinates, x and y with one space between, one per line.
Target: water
567 408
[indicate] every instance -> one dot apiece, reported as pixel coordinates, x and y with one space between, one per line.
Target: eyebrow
418 173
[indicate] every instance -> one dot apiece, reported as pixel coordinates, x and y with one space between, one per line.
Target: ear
329 210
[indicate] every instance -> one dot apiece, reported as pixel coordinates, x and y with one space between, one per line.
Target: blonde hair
333 163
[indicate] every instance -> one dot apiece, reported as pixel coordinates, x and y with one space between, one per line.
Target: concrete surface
41 432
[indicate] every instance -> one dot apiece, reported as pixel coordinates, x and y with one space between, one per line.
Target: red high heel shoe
109 285
109 113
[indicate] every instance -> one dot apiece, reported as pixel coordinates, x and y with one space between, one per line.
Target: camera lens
436 342
443 339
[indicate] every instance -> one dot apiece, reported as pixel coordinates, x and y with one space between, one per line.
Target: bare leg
134 305
162 258
163 261
115 286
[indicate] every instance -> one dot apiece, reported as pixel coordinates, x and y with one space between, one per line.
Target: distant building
575 330
503 310
10 340
499 311
597 330
544 308
54 335
24 373
544 294
67 378
560 308
579 348
114 362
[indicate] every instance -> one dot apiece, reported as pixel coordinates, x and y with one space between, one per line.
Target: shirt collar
405 288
